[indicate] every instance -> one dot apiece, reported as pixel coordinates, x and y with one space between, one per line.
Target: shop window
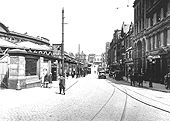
165 11
31 66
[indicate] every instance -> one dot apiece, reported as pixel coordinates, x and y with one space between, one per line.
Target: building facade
114 50
91 58
129 50
152 37
107 46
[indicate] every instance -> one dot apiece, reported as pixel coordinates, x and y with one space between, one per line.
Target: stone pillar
49 66
151 42
17 78
162 13
162 39
41 62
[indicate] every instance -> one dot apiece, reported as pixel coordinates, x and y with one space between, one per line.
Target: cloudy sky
91 23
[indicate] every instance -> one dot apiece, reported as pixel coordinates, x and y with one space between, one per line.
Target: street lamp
62 44
152 62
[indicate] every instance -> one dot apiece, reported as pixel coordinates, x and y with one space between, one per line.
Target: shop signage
56 49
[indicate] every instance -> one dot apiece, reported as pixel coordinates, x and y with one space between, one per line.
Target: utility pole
62 44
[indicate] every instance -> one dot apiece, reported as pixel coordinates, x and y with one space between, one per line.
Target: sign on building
57 50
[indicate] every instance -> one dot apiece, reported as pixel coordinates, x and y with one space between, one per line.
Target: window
130 54
149 43
165 11
165 37
153 42
158 40
151 21
158 15
31 66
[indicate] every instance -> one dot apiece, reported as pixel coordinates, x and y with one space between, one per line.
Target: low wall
33 81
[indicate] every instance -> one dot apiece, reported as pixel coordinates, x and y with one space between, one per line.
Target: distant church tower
79 49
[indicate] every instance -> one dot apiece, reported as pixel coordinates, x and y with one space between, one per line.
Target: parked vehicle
102 75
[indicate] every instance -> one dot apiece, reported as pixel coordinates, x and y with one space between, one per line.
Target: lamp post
62 44
152 62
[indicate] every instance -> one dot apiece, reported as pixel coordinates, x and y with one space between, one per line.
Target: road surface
89 99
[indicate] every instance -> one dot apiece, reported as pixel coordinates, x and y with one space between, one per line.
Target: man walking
62 84
167 79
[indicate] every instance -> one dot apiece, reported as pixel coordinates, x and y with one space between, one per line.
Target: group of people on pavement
140 77
78 72
136 77
167 79
47 81
47 78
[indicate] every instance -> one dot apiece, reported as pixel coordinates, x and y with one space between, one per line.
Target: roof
31 45
5 43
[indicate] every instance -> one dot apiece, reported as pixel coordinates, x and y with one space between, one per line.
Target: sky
90 23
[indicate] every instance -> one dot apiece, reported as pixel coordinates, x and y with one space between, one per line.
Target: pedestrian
167 79
62 84
132 77
46 80
72 74
50 79
140 79
43 77
67 73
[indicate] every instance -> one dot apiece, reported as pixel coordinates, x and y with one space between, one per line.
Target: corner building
152 37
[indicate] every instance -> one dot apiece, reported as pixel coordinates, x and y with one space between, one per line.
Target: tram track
71 85
124 107
147 97
125 104
103 105
144 102
111 96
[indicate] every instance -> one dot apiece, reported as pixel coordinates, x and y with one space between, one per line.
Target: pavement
10 94
156 86
71 81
